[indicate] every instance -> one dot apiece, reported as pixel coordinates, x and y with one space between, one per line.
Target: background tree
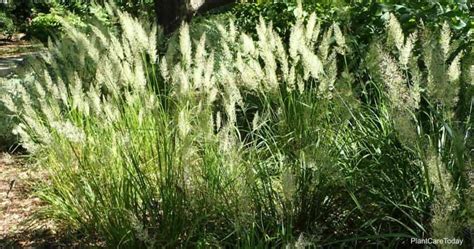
171 12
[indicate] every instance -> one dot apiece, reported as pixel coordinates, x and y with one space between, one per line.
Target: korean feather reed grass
255 143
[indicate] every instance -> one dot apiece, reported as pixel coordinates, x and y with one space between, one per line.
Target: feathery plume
395 33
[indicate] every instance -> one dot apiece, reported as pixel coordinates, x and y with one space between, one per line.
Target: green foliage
42 19
365 19
280 14
45 25
52 24
7 26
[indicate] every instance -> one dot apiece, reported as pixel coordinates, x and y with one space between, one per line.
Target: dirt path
17 204
14 53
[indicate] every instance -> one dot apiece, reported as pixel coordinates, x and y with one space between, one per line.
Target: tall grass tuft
258 142
423 97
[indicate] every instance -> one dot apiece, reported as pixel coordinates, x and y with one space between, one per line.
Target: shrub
44 26
6 25
48 25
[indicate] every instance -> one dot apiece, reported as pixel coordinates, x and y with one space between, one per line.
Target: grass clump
9 120
255 143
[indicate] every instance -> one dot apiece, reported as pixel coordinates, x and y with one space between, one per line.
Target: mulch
17 206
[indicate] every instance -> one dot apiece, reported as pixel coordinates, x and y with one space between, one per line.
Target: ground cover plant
253 140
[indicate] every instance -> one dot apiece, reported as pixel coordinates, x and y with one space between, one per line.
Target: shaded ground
17 205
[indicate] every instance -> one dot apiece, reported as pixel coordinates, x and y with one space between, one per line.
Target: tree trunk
170 13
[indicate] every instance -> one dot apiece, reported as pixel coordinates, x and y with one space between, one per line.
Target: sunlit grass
255 143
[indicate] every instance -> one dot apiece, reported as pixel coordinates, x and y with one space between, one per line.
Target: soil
18 227
17 204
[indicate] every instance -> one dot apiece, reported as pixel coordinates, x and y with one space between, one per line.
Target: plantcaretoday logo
431 241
